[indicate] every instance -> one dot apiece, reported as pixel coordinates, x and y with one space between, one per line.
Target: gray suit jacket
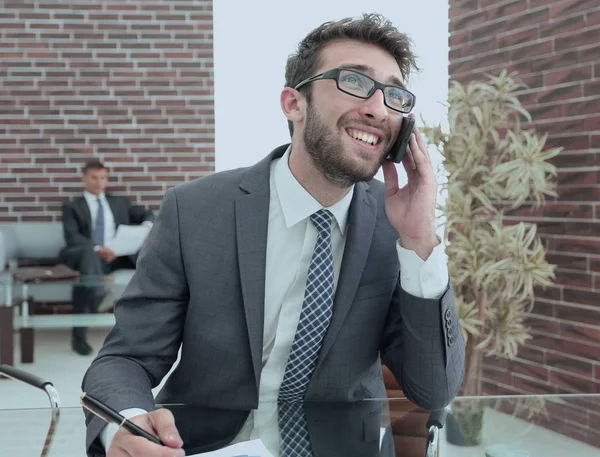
200 282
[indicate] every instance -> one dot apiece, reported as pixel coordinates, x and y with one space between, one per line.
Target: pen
106 413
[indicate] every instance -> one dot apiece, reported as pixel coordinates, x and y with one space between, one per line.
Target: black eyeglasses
362 86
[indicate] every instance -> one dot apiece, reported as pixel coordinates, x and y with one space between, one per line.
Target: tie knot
322 221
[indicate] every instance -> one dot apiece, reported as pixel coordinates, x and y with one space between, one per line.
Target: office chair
412 427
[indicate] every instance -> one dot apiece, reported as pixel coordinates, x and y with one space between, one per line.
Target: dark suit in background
79 252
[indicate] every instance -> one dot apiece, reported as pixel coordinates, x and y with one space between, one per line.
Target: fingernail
172 437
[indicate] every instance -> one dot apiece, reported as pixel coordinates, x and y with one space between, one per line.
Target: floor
55 361
519 439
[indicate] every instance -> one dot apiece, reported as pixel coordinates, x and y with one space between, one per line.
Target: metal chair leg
436 421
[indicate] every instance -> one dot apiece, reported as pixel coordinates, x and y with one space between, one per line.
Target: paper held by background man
128 240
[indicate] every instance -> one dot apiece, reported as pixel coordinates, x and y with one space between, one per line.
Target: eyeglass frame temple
330 74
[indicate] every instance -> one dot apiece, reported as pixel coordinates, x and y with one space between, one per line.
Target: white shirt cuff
423 278
108 433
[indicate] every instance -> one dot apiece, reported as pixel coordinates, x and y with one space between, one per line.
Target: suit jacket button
450 340
448 314
449 331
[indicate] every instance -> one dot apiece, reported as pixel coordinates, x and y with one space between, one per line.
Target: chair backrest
32 240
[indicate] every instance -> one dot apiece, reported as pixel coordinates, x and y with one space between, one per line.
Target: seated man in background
90 223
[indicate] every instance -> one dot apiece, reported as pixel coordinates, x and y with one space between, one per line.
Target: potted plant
464 425
492 165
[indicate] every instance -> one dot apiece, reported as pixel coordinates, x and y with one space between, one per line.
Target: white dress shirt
109 218
291 240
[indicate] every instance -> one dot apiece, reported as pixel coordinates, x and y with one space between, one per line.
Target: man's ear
293 104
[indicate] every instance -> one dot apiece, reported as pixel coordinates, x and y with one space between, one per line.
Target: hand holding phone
397 151
411 208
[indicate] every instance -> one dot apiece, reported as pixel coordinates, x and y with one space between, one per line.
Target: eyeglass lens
361 86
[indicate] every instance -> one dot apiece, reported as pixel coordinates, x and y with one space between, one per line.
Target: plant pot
464 430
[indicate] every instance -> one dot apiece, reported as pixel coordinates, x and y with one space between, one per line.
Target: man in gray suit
89 223
292 280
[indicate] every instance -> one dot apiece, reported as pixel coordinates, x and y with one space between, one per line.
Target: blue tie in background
99 228
315 316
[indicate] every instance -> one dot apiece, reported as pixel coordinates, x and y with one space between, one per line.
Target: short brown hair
370 28
93 164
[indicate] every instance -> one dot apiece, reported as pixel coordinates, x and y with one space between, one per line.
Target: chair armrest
436 421
407 419
29 378
437 418
23 376
35 381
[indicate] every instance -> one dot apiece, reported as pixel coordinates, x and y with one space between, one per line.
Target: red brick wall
555 47
128 82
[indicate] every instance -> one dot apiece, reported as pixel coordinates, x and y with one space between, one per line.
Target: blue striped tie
99 228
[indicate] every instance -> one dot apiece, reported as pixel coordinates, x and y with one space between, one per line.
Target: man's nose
374 107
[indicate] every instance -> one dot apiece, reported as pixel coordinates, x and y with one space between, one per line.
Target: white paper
128 240
253 448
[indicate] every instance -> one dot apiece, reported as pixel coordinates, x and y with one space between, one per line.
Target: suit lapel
361 224
84 209
112 203
252 219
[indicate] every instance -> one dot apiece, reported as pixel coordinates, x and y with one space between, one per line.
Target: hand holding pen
133 438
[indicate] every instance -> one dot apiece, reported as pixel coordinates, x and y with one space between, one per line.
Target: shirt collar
297 204
89 196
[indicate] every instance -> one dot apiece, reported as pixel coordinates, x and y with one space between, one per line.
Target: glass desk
15 308
523 426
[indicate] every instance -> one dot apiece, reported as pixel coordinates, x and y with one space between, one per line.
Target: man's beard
326 150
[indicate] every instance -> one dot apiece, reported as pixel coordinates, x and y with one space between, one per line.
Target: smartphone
397 151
